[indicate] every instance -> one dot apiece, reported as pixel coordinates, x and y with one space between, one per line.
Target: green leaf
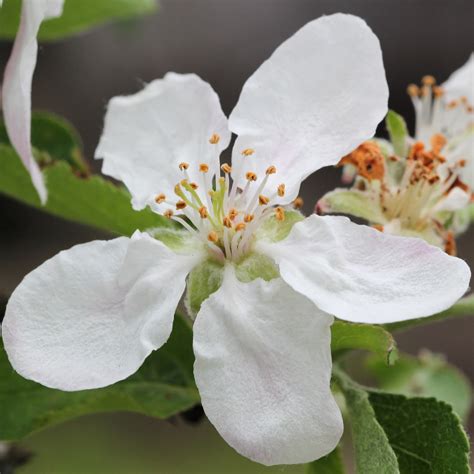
398 132
347 336
330 464
428 375
464 307
395 434
424 433
373 452
89 200
78 15
162 387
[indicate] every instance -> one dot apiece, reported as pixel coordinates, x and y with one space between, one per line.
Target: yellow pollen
281 190
226 168
438 141
193 185
168 214
251 176
183 166
177 189
214 140
413 90
160 198
280 214
271 170
248 218
248 151
180 205
438 91
298 203
233 213
263 200
203 212
212 236
183 182
240 226
203 168
227 222
428 81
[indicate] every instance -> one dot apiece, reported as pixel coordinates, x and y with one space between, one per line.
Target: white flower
16 89
89 316
427 192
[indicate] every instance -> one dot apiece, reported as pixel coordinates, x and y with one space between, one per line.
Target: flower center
223 215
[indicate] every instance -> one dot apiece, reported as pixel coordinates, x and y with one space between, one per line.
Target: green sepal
362 204
397 129
178 239
274 230
254 266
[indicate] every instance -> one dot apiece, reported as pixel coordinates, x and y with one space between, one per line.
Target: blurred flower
262 281
16 88
424 186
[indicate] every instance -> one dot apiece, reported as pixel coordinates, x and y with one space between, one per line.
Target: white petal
16 89
89 316
455 200
320 95
263 368
461 82
148 134
360 274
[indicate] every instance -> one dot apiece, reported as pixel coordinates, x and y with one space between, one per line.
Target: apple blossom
263 282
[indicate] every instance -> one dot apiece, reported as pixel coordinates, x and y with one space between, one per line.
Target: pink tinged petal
461 82
360 274
148 134
89 316
16 89
263 369
320 95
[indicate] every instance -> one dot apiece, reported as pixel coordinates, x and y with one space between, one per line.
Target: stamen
438 91
168 213
413 90
428 81
271 170
248 152
263 200
280 214
215 138
180 205
250 176
248 218
227 222
203 168
298 203
203 212
193 186
183 166
160 198
213 237
240 226
438 142
281 190
226 168
233 213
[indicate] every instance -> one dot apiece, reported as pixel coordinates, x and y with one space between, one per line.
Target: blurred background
223 41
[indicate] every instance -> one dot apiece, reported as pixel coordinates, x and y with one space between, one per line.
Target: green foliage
162 387
464 307
346 336
78 16
428 375
72 193
330 464
353 202
395 434
397 129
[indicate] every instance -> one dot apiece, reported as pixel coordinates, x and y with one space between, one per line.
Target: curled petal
89 316
320 95
263 368
461 82
174 120
360 274
16 89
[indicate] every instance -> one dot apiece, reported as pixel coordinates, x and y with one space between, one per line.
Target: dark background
223 41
